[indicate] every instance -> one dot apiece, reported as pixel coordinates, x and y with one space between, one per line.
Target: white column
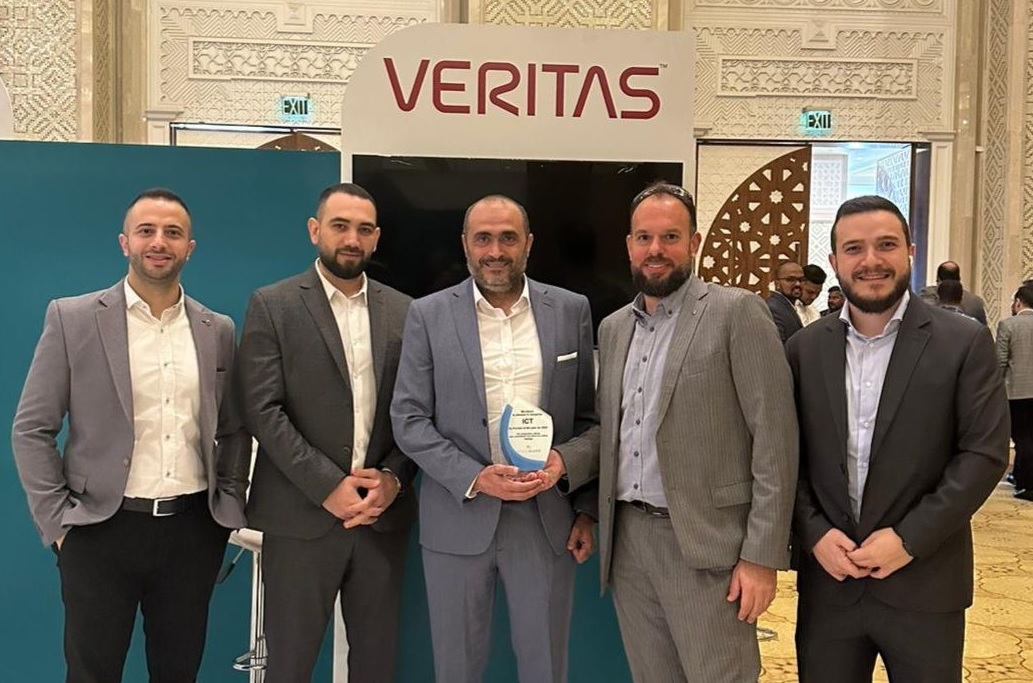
158 120
940 174
6 114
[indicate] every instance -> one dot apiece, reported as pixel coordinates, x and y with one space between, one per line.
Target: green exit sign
816 121
295 108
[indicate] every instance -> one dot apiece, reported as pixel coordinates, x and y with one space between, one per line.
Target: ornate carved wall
39 62
229 61
883 67
625 14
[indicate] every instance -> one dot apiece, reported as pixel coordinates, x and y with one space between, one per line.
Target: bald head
499 200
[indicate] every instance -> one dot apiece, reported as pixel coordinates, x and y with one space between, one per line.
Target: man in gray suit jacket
331 492
971 304
154 467
903 435
469 350
1015 356
696 454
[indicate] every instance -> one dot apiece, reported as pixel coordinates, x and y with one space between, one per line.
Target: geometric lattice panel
1027 153
38 40
763 222
624 14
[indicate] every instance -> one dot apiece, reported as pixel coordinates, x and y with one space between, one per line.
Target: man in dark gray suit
139 503
971 304
904 434
331 492
788 282
696 454
1015 356
495 339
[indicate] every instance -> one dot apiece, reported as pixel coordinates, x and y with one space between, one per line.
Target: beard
345 271
661 286
875 304
147 273
499 283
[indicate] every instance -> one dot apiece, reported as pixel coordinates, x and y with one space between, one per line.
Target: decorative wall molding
880 79
1027 154
624 14
229 61
924 6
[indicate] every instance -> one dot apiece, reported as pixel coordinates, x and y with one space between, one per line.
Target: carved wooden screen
761 223
299 142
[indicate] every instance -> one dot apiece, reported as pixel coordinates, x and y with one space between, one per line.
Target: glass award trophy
525 435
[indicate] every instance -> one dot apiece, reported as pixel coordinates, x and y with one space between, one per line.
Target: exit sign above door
816 121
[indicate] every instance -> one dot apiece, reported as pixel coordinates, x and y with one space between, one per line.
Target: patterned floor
999 636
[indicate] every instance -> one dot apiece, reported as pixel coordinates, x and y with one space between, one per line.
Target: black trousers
163 566
1022 434
302 579
839 644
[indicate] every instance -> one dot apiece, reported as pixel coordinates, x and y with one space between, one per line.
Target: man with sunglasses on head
698 458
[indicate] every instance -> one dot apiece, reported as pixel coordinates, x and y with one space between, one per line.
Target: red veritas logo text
458 87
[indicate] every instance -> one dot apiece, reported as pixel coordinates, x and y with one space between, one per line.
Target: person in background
1015 357
835 300
810 289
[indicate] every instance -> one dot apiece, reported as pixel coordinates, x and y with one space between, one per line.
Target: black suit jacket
939 448
784 314
296 396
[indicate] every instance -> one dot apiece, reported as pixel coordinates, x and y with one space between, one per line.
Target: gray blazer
971 304
726 436
440 417
81 370
784 314
1015 354
297 401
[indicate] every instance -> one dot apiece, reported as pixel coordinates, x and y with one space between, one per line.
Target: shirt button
168 437
866 423
651 328
868 384
638 422
644 358
636 454
634 486
640 390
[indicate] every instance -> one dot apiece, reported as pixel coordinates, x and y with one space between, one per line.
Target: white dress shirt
867 360
512 359
352 316
807 313
163 370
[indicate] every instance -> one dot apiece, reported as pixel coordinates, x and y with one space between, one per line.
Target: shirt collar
479 300
669 305
328 287
133 299
891 326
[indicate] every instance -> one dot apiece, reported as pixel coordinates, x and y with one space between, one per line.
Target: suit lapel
377 334
833 365
911 341
613 357
114 335
693 307
314 297
545 321
464 316
206 347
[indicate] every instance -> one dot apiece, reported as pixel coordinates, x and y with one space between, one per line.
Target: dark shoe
1010 478
1024 494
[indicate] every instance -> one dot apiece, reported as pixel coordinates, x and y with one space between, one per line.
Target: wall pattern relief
1027 154
39 64
933 6
230 63
626 14
991 242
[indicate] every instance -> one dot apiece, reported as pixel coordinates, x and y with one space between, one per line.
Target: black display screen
578 212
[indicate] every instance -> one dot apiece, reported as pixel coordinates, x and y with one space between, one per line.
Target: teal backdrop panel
61 209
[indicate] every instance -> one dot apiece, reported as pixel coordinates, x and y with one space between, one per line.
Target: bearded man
494 340
331 491
904 433
696 455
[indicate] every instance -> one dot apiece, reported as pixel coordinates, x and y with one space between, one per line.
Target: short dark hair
503 199
814 274
867 204
344 188
1025 294
950 292
835 288
782 265
948 270
670 190
159 193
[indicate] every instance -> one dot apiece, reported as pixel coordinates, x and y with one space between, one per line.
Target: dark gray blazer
297 401
440 417
784 314
939 448
81 370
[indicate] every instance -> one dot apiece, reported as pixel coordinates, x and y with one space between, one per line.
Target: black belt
163 507
643 506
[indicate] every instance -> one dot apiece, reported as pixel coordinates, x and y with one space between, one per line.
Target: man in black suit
835 300
903 435
330 491
782 301
971 304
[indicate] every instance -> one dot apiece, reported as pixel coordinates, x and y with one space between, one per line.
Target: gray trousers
675 622
539 586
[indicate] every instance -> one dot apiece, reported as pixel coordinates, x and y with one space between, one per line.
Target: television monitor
578 212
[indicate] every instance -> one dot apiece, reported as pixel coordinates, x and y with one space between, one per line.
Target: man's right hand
831 552
341 498
507 483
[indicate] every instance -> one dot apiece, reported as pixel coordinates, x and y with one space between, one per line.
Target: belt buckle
156 503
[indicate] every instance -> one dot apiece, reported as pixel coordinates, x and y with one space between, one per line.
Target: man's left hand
581 542
381 490
882 552
753 585
552 472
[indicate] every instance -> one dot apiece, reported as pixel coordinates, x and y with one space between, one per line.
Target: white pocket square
567 356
